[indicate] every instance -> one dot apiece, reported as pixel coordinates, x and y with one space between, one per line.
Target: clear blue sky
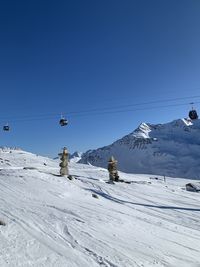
73 56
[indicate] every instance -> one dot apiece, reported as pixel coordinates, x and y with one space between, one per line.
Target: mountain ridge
170 149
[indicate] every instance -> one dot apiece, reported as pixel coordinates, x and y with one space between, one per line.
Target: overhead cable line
135 104
43 116
117 111
104 109
137 109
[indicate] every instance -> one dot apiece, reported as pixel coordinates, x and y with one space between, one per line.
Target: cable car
6 127
193 114
63 122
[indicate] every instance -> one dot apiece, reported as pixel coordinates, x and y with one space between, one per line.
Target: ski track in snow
51 221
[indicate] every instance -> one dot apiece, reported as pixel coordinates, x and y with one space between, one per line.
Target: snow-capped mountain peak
142 131
171 148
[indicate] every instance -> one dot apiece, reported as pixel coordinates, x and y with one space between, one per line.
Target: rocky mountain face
171 149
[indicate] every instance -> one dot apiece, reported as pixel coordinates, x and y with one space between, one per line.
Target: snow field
51 221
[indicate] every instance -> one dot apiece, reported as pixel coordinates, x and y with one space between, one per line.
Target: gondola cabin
63 122
6 128
193 114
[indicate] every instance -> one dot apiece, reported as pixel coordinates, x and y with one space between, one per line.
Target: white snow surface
52 221
75 157
171 149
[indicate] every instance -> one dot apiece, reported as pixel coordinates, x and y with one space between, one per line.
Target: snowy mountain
75 157
48 220
171 149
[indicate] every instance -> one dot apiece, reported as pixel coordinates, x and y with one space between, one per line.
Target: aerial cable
105 110
99 109
132 110
132 105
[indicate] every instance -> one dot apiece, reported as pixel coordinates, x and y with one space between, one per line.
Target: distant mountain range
171 149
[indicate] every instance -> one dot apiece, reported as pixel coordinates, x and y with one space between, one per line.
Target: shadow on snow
121 201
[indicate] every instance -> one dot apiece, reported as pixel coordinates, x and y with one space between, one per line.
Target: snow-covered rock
165 149
193 187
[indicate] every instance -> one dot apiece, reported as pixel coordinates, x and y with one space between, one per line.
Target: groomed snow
51 221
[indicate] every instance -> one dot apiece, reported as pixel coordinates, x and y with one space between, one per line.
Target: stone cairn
64 162
112 169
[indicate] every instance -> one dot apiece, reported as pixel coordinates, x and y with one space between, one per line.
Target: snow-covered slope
54 222
165 149
18 159
75 157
